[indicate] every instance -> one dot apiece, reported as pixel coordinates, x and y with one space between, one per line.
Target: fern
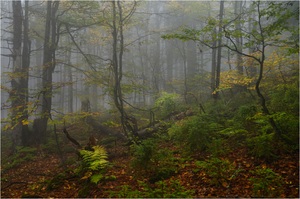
96 178
94 162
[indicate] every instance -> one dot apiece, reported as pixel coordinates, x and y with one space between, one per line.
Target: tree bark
24 79
218 68
238 39
16 95
50 43
213 66
128 122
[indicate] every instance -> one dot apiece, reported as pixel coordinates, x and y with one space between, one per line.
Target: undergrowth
161 189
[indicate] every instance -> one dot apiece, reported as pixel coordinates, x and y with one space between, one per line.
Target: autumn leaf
225 184
86 175
25 122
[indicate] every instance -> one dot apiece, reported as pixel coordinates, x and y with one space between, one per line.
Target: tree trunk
218 68
213 66
50 42
238 39
24 79
17 101
170 63
128 122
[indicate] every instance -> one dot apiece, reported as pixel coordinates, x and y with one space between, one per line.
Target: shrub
262 146
244 115
143 154
266 183
194 133
285 97
173 189
151 160
289 126
217 148
221 172
235 135
22 155
167 103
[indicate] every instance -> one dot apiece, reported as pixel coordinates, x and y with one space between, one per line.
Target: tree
19 76
238 38
129 123
51 39
17 103
218 68
266 35
24 80
271 22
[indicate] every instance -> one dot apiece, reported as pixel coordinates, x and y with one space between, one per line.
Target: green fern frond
94 160
96 178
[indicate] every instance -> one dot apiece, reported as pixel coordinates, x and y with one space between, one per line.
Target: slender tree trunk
70 81
261 69
16 95
218 68
24 79
252 26
213 66
50 42
128 122
170 63
238 39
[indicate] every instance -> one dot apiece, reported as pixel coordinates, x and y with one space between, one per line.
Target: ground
32 178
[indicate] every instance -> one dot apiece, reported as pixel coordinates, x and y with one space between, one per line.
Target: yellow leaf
25 122
86 175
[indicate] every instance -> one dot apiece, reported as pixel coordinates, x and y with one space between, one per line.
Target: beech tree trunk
218 68
50 43
24 79
17 101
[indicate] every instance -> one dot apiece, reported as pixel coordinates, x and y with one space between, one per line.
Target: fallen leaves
35 174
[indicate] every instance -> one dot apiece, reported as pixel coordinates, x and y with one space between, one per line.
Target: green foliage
285 98
289 125
143 154
266 183
96 178
167 103
194 133
262 123
262 146
55 182
244 113
22 155
93 163
150 159
162 189
217 147
235 135
220 171
284 102
125 192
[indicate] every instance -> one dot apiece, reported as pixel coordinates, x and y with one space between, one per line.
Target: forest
149 99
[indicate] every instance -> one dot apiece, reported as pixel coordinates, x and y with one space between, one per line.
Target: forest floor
32 177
